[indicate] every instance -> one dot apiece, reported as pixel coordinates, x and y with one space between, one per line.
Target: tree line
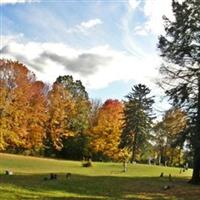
61 121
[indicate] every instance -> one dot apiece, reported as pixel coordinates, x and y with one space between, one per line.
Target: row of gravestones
166 187
53 176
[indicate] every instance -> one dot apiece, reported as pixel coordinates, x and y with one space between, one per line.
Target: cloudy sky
109 45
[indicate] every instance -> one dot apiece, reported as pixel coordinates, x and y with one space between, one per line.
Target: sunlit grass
101 181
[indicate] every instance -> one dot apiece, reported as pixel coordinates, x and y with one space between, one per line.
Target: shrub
87 164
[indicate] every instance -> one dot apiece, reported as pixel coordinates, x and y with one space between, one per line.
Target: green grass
101 181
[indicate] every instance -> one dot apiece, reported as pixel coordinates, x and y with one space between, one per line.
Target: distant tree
180 49
160 140
79 122
8 136
75 88
36 116
137 119
168 137
61 109
78 94
105 136
94 112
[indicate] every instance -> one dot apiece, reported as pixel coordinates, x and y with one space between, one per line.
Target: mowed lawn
101 181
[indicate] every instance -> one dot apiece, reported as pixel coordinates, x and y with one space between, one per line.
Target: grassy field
101 181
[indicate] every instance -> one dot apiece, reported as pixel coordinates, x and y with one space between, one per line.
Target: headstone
7 172
53 176
149 160
166 187
170 177
68 175
186 166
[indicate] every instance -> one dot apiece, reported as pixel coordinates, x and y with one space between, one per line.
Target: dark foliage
180 49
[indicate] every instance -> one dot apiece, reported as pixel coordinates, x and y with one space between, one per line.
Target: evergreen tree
180 48
137 120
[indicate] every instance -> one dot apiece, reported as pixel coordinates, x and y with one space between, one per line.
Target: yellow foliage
106 134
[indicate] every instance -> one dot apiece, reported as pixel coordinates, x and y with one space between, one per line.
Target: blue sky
109 45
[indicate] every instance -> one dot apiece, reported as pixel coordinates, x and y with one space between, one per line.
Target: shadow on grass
94 187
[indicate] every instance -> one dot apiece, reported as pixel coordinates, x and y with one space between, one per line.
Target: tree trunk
171 162
196 168
134 149
179 157
161 158
196 163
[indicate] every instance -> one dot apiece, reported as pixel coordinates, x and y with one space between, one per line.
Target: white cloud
133 4
140 30
153 24
4 40
85 26
129 42
154 11
96 67
142 65
91 23
16 1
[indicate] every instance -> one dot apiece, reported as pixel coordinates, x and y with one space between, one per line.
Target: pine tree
137 120
180 49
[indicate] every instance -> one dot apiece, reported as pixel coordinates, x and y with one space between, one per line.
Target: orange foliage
61 109
106 134
22 107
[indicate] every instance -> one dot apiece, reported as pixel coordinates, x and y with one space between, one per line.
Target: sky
110 45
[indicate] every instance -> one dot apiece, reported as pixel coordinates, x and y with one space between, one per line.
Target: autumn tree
77 92
94 112
7 135
180 49
22 108
105 136
61 109
36 116
137 120
168 137
76 146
